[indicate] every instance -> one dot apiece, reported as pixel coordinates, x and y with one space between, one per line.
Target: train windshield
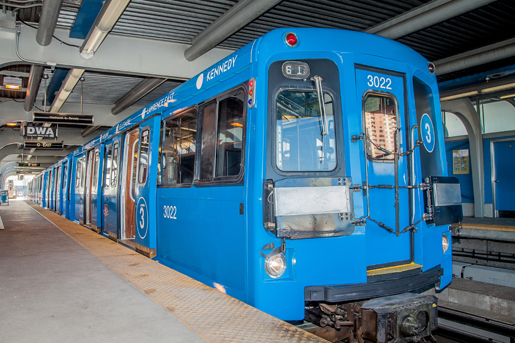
305 135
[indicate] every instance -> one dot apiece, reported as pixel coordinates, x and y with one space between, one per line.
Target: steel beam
119 54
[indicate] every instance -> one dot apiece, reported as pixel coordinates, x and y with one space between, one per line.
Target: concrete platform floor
53 290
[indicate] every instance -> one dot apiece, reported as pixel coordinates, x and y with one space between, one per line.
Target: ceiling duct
36 73
425 16
48 21
231 21
138 92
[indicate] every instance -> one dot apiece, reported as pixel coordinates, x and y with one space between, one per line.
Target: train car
304 174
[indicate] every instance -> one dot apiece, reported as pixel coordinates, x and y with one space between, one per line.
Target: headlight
445 243
275 265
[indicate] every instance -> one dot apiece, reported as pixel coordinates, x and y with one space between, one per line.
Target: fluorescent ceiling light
69 83
507 96
108 16
457 96
498 88
12 82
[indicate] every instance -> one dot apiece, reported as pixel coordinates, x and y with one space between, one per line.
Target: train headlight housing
445 243
275 265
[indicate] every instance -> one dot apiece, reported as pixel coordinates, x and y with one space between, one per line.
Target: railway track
459 326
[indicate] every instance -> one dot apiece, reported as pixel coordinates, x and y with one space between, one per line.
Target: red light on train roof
291 39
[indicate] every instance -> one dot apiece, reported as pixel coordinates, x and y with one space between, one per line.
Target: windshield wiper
321 104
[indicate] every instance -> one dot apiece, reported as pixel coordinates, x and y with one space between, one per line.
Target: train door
48 196
146 187
88 186
503 182
64 190
130 163
94 189
110 189
383 111
58 190
80 176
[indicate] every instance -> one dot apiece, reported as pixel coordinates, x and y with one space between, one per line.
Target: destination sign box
43 145
62 118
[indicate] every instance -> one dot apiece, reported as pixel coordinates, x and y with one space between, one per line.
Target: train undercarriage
400 318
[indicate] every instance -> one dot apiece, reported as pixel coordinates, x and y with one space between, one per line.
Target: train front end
352 219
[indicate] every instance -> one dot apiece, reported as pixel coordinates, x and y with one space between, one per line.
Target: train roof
337 41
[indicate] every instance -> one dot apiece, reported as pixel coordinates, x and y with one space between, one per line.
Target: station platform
61 282
486 228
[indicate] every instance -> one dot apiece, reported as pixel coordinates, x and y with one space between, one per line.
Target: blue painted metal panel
85 18
56 83
505 182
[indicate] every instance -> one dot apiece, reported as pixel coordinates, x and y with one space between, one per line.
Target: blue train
304 174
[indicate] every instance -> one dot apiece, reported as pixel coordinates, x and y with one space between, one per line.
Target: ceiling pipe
486 54
108 16
69 83
48 21
89 130
231 21
36 73
138 92
425 16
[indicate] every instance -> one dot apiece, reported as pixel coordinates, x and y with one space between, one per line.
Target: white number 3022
170 212
379 82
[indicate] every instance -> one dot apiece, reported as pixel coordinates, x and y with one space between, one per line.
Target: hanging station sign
35 130
43 145
62 118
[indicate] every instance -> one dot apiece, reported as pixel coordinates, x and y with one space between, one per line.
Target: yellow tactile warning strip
395 269
213 315
484 227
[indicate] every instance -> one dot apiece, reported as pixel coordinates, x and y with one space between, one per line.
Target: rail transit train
304 174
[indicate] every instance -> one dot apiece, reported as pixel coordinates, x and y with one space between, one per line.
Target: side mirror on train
443 200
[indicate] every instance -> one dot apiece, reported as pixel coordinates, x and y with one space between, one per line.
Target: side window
223 130
83 176
143 156
179 148
78 174
64 180
95 169
114 165
380 115
229 141
107 169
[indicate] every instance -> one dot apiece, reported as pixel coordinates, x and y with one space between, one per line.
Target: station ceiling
153 46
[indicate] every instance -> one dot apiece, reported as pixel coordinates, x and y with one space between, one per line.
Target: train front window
305 140
381 125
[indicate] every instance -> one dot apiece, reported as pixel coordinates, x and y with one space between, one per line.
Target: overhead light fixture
457 96
12 82
498 88
108 16
69 83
